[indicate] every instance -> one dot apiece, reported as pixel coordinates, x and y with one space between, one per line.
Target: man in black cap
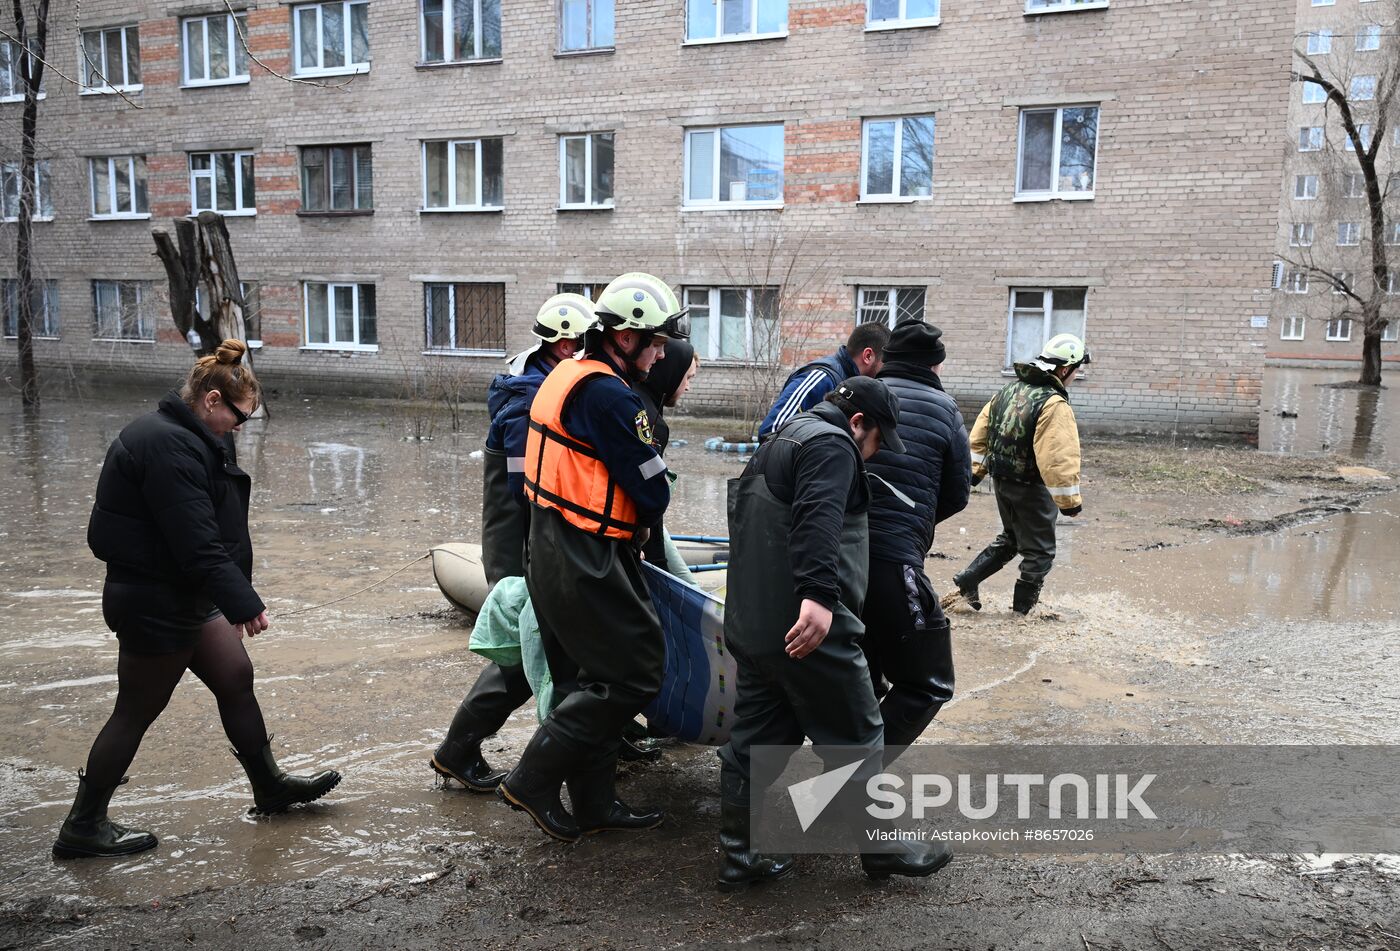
798 545
907 643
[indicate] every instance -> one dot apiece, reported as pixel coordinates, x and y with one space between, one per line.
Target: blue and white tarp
696 702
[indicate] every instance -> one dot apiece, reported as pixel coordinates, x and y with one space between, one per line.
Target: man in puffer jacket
907 643
1028 439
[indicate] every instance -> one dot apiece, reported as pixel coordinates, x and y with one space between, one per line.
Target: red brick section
823 161
160 53
815 18
168 184
281 315
270 40
278 182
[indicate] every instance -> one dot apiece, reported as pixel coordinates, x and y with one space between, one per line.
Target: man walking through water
1027 438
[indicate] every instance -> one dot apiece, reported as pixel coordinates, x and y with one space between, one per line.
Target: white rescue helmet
562 317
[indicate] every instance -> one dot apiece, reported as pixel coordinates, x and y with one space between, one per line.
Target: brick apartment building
1324 216
407 180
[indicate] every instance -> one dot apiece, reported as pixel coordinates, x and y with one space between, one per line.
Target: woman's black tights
145 683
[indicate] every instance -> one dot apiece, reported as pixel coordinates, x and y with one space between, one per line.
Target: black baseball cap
874 399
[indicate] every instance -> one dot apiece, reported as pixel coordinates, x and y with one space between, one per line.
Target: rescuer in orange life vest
596 487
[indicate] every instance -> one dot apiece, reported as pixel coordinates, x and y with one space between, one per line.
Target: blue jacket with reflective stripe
508 400
807 387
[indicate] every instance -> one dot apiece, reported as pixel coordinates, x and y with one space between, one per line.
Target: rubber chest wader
504 521
762 605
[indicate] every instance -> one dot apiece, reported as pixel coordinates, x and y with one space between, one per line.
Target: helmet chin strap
644 339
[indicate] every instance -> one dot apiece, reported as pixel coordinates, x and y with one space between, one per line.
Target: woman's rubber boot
911 859
597 809
274 790
739 865
88 833
967 590
1024 597
533 786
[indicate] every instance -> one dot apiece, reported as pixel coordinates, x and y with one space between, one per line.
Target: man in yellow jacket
1028 440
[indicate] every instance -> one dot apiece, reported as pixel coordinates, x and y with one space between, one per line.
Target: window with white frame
591 291
891 14
1368 37
735 323
1392 282
1057 152
222 182
1297 282
1364 132
585 25
1339 329
118 186
465 318
10 177
1362 89
463 175
1323 3
43 305
214 51
734 165
734 19
12 72
889 305
330 38
1353 185
897 159
1348 233
110 59
1055 6
1320 43
1039 313
1305 187
1391 332
252 310
1392 232
120 311
1342 281
1301 236
1311 138
586 170
340 316
1292 327
336 178
1313 92
459 31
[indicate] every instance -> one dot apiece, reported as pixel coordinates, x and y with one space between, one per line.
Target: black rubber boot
1024 597
88 833
739 865
274 790
922 663
533 786
911 859
597 809
968 590
497 693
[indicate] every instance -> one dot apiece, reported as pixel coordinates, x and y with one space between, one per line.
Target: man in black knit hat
907 643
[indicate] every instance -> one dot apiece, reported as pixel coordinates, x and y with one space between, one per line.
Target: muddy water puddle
367 685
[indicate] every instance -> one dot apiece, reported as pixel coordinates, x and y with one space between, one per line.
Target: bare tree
782 271
1360 89
32 40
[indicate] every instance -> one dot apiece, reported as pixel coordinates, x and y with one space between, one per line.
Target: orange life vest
566 474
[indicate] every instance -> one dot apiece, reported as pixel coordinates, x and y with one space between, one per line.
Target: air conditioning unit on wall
1277 281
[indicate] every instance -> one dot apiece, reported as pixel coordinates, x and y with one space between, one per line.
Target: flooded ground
1208 594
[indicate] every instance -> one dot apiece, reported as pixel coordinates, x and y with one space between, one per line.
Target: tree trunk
31 68
1370 356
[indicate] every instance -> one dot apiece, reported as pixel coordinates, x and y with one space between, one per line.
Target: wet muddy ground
1210 593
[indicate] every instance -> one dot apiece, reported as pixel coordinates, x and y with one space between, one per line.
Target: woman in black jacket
171 522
